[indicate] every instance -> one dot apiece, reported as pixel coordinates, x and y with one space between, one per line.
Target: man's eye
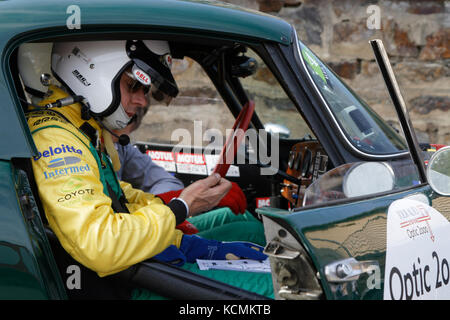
132 85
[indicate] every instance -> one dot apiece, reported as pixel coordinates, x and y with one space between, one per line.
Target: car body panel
27 267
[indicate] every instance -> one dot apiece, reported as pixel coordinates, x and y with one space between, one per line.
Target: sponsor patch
77 195
72 184
54 151
46 119
60 172
59 162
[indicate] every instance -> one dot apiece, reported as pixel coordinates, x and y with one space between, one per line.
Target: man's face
132 97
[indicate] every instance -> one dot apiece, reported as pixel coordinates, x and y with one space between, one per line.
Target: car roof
30 20
17 16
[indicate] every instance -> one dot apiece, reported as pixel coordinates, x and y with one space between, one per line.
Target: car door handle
349 269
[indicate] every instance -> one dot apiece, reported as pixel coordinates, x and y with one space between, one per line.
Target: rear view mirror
368 178
438 171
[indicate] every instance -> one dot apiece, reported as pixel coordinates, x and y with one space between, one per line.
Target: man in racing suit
231 221
104 223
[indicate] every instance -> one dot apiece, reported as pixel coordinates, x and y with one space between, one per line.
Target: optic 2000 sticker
422 272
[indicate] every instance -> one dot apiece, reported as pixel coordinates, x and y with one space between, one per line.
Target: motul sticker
211 161
190 163
417 252
262 202
163 159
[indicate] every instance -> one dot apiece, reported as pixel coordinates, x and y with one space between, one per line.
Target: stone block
270 5
426 7
416 71
437 46
346 69
426 104
397 41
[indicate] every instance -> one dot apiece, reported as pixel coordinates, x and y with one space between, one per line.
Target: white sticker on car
163 159
190 163
211 161
417 252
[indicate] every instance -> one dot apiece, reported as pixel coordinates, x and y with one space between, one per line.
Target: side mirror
272 128
438 171
368 178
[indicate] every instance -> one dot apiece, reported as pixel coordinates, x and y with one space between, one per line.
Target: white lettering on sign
417 252
164 159
262 202
190 158
190 163
160 155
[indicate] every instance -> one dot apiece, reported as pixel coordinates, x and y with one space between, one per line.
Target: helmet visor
157 67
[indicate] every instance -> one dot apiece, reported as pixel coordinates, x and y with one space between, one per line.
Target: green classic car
352 206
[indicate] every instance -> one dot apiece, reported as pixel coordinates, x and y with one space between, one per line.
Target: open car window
274 108
195 117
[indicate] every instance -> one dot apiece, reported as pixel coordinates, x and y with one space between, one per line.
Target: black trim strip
399 104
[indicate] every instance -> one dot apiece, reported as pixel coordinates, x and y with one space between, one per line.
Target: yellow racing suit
71 171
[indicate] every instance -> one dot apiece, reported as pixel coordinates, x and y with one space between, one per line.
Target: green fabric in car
223 225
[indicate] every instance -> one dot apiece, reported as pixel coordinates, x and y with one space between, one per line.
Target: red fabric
437 146
167 196
187 227
235 198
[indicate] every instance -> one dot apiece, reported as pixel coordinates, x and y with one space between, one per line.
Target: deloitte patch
53 151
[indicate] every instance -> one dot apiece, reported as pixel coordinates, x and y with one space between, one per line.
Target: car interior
300 160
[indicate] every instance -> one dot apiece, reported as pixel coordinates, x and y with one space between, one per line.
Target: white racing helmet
92 69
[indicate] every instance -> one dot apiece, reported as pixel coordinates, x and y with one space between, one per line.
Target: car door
358 237
346 244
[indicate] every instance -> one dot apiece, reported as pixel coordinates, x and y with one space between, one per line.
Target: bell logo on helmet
80 77
142 77
168 60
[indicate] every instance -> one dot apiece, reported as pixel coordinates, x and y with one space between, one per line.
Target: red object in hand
187 227
235 198
235 138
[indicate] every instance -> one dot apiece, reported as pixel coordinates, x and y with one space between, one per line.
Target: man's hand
205 194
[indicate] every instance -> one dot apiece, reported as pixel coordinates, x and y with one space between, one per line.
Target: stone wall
416 35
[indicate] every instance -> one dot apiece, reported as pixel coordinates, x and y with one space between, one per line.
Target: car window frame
338 128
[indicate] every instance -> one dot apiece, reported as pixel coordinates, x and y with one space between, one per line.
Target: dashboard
307 161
